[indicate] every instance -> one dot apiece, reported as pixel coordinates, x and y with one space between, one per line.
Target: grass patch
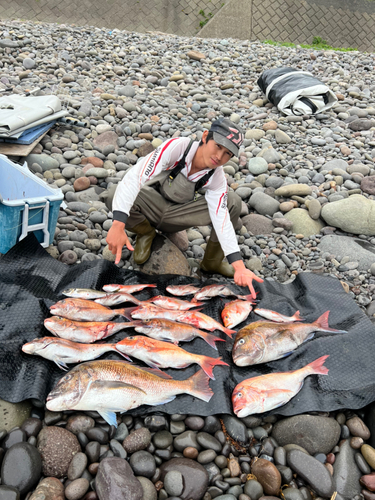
317 43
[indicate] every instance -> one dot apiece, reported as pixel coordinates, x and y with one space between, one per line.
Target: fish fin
126 312
210 339
118 349
248 298
61 364
322 324
207 364
109 417
114 384
297 317
228 331
276 392
200 386
310 336
285 355
168 400
197 304
317 366
157 371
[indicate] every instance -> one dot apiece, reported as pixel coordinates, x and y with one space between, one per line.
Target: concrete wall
342 23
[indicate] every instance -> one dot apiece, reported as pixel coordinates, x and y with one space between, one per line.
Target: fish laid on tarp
159 354
210 291
235 312
166 329
266 392
126 288
275 316
263 341
84 310
64 352
182 290
85 331
83 293
113 299
109 386
194 318
173 303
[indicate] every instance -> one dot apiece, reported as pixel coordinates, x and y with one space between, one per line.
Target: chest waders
175 188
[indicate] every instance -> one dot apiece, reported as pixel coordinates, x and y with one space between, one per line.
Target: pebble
312 471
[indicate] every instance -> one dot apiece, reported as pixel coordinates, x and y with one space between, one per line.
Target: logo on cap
236 137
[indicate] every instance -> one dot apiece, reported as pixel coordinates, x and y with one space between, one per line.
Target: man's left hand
245 277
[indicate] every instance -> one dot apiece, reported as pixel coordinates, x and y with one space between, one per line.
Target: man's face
214 154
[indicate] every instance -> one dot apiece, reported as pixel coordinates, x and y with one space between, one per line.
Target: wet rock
77 489
166 258
313 433
9 493
267 475
195 477
312 471
21 467
149 490
57 447
358 428
13 414
346 474
115 480
137 440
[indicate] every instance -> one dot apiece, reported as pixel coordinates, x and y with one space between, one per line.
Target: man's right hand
117 238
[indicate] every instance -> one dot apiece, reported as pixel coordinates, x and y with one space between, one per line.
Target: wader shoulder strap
202 181
180 165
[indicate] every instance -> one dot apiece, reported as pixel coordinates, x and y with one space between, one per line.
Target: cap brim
223 141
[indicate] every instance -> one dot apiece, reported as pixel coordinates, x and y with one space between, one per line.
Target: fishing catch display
80 322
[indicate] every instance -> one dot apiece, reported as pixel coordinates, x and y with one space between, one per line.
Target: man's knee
234 204
109 198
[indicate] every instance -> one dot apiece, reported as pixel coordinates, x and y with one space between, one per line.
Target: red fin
228 331
210 339
322 324
297 317
126 312
208 364
318 367
122 354
200 386
197 304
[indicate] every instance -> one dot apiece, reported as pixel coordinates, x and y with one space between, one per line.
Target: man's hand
245 277
117 238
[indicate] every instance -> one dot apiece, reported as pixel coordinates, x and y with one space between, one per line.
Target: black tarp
31 281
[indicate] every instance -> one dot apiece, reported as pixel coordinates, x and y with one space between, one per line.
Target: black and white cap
227 134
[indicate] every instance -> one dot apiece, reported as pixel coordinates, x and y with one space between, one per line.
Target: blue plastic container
27 204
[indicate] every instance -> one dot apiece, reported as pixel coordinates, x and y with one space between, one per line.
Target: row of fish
85 316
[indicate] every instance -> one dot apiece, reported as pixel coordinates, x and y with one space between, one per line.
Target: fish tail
208 364
322 324
318 367
126 312
210 339
199 386
297 317
197 304
228 331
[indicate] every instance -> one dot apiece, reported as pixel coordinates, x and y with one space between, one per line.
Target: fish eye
239 394
130 338
241 341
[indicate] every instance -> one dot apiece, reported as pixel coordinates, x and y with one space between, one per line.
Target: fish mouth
242 412
242 360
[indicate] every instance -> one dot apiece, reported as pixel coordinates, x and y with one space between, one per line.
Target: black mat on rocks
31 281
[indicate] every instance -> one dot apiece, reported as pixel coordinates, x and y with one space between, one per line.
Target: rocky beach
307 185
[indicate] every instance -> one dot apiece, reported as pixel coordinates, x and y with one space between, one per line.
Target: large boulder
355 214
166 258
257 224
115 480
361 251
303 223
263 203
